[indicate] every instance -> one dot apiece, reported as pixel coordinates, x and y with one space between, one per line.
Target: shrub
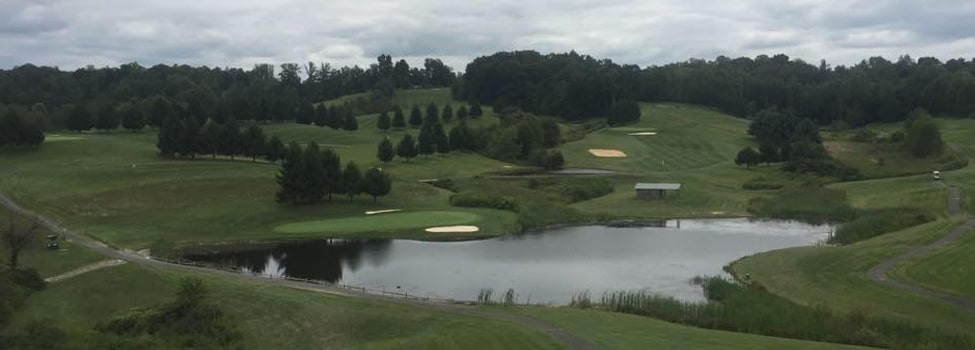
478 200
752 309
761 183
873 223
808 203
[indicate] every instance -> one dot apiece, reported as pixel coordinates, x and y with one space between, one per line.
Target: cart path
85 269
879 272
569 340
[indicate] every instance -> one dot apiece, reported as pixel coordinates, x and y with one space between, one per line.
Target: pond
546 267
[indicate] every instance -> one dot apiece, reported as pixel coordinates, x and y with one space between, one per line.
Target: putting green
385 222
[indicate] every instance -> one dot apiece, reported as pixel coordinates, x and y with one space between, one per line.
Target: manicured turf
621 331
114 187
687 138
835 277
272 317
381 222
951 269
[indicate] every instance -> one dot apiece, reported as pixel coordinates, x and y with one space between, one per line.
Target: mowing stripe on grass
387 222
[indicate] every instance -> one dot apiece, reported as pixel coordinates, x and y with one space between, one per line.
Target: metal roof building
655 190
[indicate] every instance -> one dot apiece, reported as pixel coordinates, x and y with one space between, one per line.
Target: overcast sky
75 33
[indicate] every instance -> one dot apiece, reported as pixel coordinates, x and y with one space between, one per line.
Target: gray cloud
72 34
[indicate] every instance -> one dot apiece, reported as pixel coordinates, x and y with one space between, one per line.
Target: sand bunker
645 133
451 229
383 211
607 153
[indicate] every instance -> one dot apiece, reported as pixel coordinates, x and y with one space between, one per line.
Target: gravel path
879 273
84 269
568 340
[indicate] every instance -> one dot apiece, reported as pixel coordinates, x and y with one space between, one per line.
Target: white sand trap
383 211
607 153
507 167
717 213
645 133
451 229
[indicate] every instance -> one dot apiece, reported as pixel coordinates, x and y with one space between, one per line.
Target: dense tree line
519 137
574 86
18 131
187 139
310 174
262 93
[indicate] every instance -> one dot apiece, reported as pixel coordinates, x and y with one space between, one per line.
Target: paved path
84 269
879 273
569 340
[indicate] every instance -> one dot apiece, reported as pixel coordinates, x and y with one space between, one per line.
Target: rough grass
383 222
273 317
807 203
608 330
886 160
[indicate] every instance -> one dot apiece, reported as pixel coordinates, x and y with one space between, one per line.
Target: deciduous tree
376 183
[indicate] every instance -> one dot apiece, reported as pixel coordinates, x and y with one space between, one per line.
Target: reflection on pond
547 267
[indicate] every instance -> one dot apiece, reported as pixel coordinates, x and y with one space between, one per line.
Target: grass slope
609 330
272 317
113 187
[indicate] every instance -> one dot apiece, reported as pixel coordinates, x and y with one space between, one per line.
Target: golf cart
935 175
52 242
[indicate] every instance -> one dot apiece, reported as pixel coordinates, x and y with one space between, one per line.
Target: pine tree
462 112
274 149
79 119
385 152
416 117
332 167
376 183
440 139
352 180
448 113
290 189
253 141
399 120
314 179
433 114
350 123
426 142
383 123
169 136
406 147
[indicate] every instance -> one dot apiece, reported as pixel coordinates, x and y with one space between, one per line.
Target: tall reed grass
751 309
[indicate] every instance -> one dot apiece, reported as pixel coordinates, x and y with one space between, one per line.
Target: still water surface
547 267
